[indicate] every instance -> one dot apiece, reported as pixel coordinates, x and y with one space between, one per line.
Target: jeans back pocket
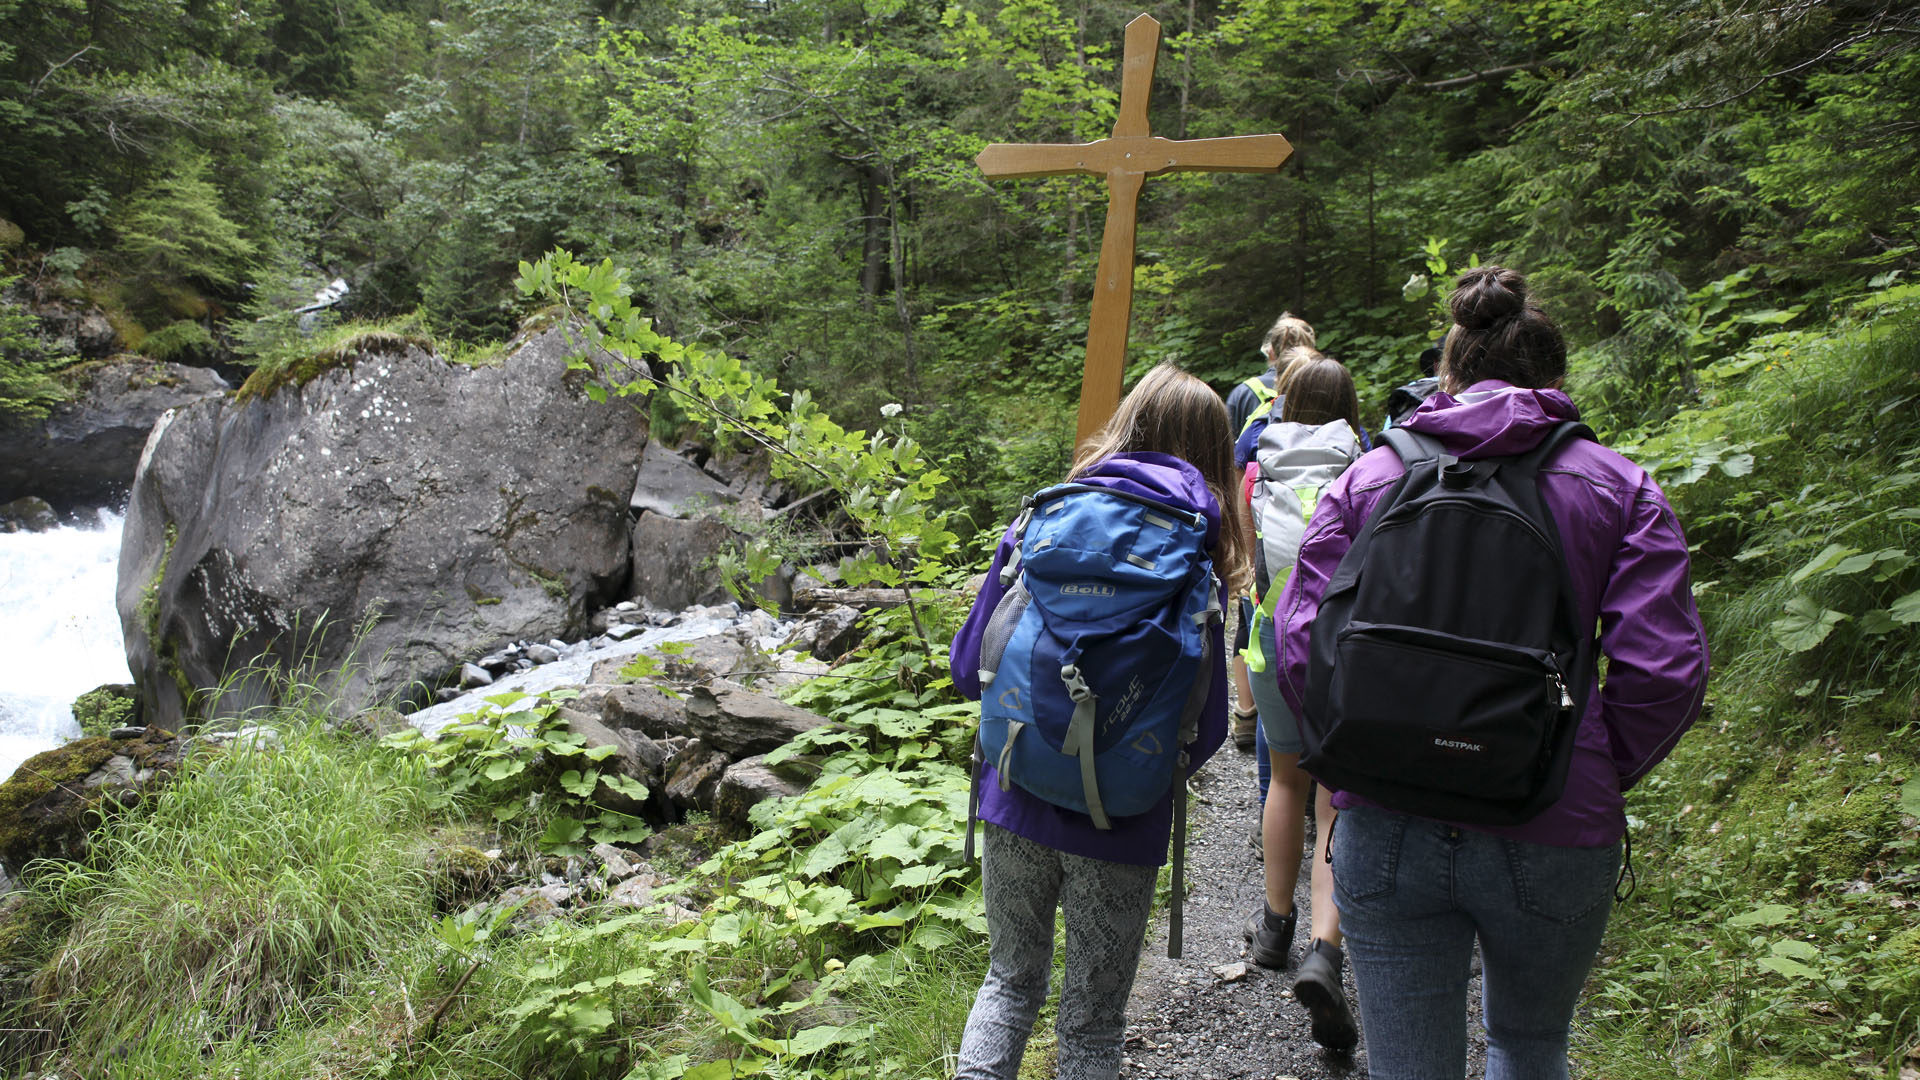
1366 851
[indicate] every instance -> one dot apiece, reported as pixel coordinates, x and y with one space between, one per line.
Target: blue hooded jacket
1139 840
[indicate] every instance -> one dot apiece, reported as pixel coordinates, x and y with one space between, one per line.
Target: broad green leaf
589 1019
563 830
1766 915
902 842
1795 948
672 1068
1829 557
815 1039
1807 624
1792 969
728 1070
1737 465
1910 796
1906 609
1876 622
724 930
932 936
924 874
626 785
578 783
505 767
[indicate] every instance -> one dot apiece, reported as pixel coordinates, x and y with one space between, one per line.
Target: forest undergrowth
314 911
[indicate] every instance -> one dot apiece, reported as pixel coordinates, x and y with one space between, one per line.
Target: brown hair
1171 412
1287 332
1499 333
1289 362
1321 392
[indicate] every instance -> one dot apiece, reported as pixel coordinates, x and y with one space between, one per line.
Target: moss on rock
46 809
345 352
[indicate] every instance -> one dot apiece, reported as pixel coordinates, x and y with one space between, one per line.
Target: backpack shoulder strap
1412 446
1563 433
1258 384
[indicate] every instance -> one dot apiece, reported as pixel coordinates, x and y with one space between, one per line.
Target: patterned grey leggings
1106 905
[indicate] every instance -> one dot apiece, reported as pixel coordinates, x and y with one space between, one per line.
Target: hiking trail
1186 1020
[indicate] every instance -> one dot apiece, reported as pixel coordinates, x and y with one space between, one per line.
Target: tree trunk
873 263
897 251
1373 269
1186 71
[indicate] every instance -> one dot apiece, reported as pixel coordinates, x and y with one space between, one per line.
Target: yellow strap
1265 408
1263 612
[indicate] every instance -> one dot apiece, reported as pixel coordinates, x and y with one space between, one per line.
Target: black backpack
1448 669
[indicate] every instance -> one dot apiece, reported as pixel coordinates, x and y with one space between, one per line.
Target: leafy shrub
104 708
175 229
515 755
28 389
183 340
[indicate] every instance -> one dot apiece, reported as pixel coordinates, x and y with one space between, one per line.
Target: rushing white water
60 631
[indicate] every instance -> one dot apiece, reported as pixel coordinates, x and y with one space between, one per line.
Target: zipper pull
1566 699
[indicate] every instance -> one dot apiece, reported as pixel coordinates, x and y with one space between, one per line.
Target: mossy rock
463 874
49 807
678 848
265 381
30 930
11 235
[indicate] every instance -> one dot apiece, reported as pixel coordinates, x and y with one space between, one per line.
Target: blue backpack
1098 660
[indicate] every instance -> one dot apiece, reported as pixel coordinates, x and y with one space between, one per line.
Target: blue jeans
1414 894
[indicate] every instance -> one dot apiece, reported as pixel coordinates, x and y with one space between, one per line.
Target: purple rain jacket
1629 565
1140 840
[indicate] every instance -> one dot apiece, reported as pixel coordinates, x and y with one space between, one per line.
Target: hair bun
1485 296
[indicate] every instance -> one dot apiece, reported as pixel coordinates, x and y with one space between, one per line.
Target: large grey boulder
740 723
85 452
396 511
673 560
673 486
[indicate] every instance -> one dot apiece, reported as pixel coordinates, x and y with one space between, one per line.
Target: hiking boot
1317 988
1257 840
1245 724
1270 937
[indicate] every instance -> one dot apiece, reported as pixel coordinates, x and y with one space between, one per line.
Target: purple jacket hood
1492 419
1628 559
1158 476
1141 839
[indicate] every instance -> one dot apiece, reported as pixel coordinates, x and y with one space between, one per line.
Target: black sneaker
1266 946
1317 988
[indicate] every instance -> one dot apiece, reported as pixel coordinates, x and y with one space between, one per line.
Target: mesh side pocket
1006 616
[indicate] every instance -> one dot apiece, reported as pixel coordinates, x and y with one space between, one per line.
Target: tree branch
1490 73
37 83
1872 31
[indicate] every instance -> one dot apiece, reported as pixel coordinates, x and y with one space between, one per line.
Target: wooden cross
1126 159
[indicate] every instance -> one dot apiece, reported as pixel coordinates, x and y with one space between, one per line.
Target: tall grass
1773 935
246 897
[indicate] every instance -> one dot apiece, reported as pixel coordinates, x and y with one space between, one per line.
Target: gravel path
1186 1020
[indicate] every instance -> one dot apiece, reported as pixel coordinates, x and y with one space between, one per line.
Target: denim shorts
1282 731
